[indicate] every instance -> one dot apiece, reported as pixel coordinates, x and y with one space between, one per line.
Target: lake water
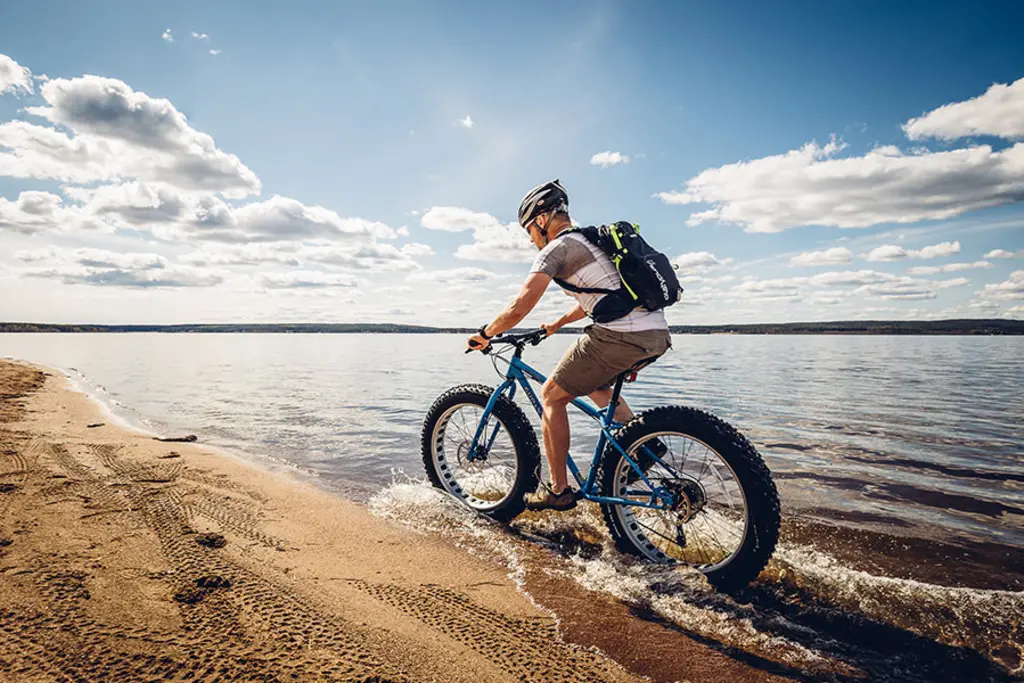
897 457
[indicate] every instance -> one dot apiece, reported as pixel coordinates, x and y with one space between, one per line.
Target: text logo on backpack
647 276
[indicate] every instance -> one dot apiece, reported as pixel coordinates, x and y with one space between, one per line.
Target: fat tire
520 431
759 490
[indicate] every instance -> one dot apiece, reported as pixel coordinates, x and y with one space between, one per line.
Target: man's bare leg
603 397
555 428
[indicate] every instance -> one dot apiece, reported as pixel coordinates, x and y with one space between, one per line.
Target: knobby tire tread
762 497
521 432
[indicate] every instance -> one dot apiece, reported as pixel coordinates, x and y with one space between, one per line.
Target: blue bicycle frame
518 375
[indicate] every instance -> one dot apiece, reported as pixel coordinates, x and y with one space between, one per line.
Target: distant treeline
994 326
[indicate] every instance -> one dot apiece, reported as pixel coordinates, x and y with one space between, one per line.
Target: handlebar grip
474 346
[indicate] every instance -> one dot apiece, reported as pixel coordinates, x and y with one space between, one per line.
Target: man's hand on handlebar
551 328
476 343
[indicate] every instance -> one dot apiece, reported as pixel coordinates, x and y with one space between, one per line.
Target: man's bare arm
577 313
533 289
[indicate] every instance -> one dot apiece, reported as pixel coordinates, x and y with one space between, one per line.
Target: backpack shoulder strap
582 290
591 234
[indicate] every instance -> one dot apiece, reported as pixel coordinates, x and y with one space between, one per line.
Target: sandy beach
127 558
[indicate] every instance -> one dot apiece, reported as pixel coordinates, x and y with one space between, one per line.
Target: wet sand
125 558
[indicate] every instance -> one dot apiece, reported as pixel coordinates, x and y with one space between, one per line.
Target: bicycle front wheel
493 476
724 517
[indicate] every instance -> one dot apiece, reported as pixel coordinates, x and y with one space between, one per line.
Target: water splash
808 612
592 563
988 621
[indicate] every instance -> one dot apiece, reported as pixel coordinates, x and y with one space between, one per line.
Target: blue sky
361 109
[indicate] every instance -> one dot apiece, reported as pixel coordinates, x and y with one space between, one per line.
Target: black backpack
647 276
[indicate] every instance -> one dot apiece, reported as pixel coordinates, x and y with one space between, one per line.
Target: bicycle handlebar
532 337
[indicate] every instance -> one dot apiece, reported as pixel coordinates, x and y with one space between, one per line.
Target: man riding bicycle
604 351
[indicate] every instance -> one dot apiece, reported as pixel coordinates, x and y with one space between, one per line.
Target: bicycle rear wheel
725 518
505 465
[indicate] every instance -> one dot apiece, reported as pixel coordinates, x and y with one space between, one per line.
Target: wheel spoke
485 481
715 532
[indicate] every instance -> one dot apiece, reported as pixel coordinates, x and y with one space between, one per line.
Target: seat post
616 392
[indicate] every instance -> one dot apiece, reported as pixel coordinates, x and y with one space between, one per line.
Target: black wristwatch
483 332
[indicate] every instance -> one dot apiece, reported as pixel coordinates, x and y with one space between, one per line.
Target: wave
809 613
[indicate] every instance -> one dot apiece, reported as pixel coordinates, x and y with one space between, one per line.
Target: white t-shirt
574 259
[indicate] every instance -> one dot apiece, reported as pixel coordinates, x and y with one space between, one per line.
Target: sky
363 162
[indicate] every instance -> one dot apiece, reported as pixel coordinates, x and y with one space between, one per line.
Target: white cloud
936 250
900 289
33 212
466 122
498 245
813 186
755 286
416 249
14 77
36 255
200 36
1015 312
215 52
697 262
305 279
891 252
376 257
606 159
167 36
174 215
118 134
998 112
402 231
244 255
948 268
888 252
1012 288
278 219
850 277
131 204
492 240
954 282
455 219
828 257
1002 253
366 256
466 275
99 267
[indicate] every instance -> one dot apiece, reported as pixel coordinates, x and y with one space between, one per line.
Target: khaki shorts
601 354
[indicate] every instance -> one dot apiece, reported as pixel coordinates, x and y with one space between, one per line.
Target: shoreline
103 572
182 561
125 557
953 326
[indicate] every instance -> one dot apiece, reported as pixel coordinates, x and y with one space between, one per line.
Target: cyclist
605 350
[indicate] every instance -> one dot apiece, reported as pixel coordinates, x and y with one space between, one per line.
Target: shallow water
898 459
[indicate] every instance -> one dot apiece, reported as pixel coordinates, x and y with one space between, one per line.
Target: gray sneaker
544 498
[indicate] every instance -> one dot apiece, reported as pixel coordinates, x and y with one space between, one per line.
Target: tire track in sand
530 649
235 625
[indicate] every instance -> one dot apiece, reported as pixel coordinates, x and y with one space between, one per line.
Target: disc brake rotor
471 457
688 500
